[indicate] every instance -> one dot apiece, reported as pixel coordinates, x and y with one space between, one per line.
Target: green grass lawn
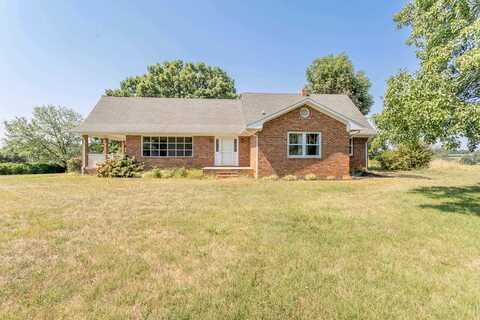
88 248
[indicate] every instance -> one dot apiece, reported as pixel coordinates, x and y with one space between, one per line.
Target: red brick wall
358 161
203 154
272 146
244 152
253 154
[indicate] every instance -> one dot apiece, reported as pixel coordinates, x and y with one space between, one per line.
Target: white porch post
105 148
84 153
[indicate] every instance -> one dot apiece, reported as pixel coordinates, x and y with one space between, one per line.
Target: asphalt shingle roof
123 115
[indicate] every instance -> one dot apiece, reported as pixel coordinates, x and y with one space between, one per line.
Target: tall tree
46 137
335 74
440 102
178 79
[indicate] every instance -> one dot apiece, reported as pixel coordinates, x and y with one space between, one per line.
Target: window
304 144
305 113
167 146
350 146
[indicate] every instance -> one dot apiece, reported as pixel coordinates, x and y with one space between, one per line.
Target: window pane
171 139
171 153
180 146
163 146
295 138
188 139
163 153
154 153
163 139
154 139
180 153
146 139
312 138
154 146
295 150
146 153
180 139
171 146
235 142
188 146
188 153
146 146
313 151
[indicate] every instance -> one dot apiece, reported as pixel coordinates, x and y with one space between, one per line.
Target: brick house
258 134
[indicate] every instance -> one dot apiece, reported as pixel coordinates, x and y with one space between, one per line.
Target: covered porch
94 152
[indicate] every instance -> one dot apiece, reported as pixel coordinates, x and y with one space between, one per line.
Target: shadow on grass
465 200
392 174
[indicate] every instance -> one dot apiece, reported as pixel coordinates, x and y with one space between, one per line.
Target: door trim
217 154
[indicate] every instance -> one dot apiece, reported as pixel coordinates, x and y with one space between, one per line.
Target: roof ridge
173 98
279 93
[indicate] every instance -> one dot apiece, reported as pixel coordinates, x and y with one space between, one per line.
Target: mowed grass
88 248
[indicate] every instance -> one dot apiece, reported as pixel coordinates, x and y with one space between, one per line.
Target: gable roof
138 115
256 106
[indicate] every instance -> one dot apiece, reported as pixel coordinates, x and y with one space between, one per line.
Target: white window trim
304 144
350 147
167 156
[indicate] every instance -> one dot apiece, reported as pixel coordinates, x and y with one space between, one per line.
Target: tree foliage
447 36
334 74
178 79
439 102
46 137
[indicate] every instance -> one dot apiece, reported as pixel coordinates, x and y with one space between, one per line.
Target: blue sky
68 52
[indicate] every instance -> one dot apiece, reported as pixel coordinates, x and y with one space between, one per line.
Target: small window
235 145
167 146
350 146
304 144
304 113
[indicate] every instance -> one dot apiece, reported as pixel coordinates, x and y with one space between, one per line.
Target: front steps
228 172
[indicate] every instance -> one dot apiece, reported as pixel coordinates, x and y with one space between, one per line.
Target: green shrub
13 168
289 177
74 165
166 173
273 177
310 177
179 172
357 172
126 167
154 173
405 158
29 168
174 173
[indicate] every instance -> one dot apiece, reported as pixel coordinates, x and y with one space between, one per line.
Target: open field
84 247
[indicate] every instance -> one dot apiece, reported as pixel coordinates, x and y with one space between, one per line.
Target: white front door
226 151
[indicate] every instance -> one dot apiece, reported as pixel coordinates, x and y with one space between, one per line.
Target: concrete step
228 172
227 176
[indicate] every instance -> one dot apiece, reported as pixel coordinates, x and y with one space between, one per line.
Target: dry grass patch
84 247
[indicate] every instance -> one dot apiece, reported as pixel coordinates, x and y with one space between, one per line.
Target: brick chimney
305 92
